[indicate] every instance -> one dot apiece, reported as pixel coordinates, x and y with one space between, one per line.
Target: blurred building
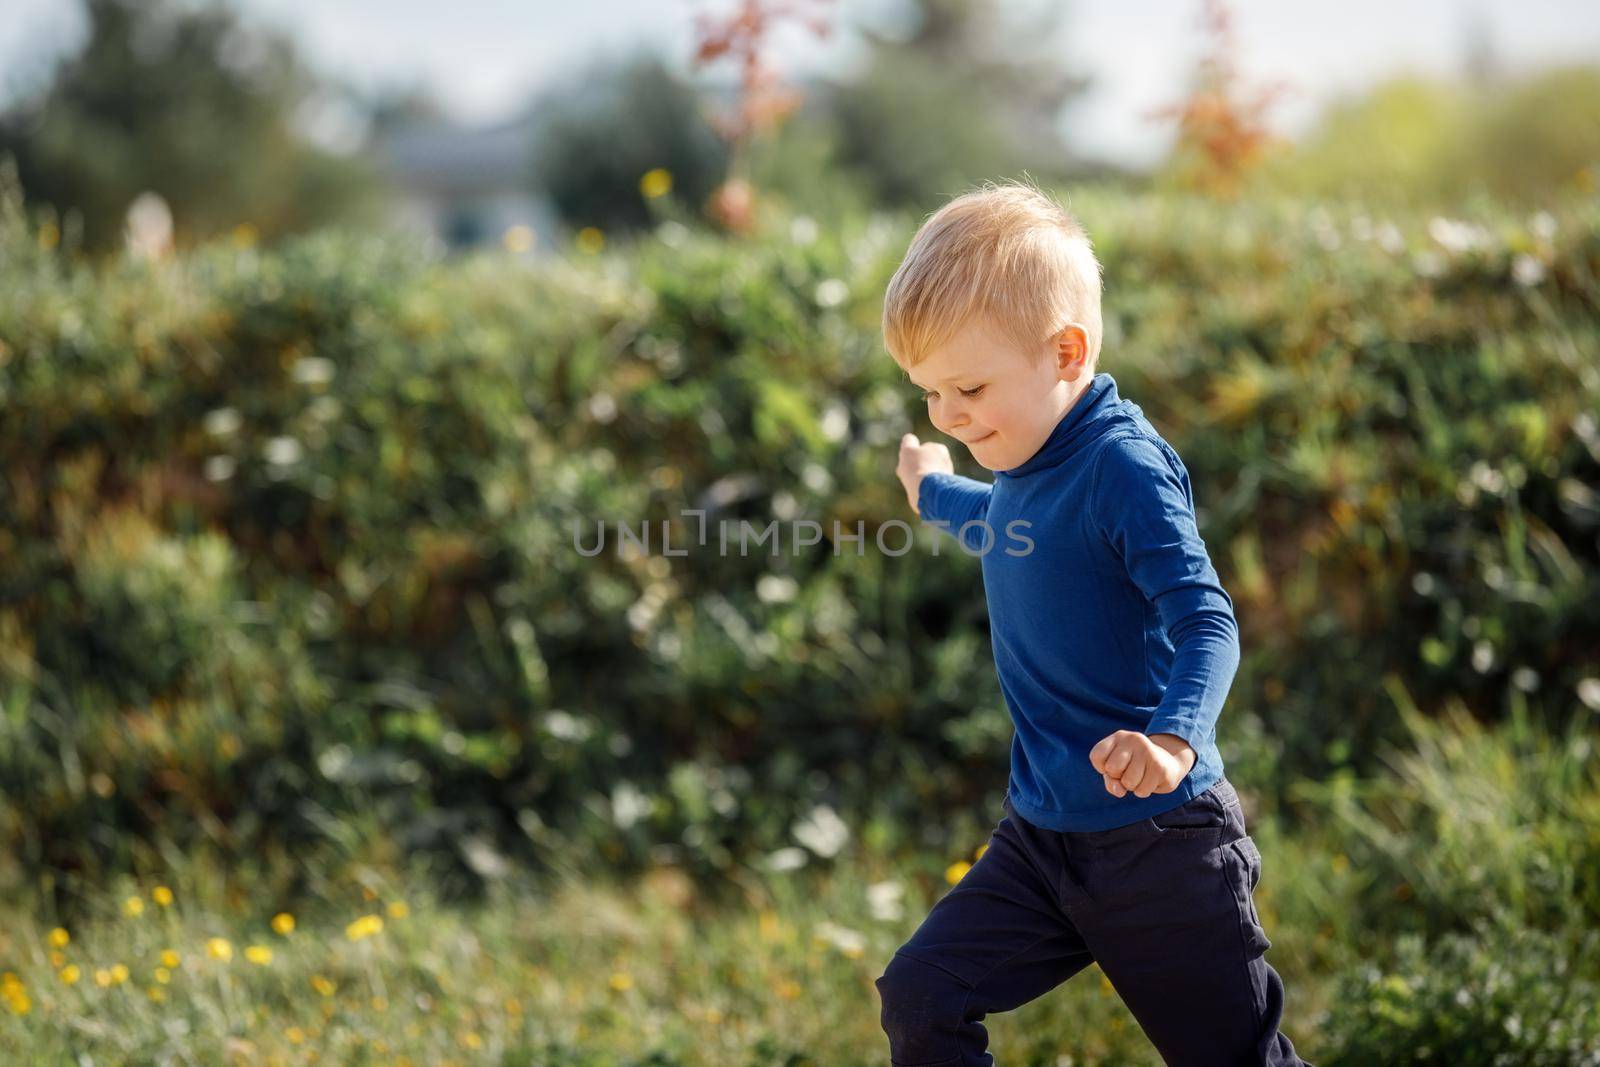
467 186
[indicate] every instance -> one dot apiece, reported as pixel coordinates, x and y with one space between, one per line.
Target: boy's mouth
980 440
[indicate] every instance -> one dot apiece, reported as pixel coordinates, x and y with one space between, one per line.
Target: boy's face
1000 402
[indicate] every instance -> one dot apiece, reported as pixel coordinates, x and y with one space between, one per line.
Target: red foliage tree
1222 131
764 102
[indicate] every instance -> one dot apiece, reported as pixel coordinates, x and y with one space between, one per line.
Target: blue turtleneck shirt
1104 611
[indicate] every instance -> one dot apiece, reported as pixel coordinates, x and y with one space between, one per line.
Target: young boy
1115 644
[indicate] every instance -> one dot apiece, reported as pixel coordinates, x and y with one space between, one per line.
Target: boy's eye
974 391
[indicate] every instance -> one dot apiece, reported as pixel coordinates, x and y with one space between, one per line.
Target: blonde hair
1006 251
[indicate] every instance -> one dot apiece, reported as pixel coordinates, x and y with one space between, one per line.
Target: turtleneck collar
1076 427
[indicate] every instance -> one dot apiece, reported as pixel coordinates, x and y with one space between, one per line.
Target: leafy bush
1499 997
1391 432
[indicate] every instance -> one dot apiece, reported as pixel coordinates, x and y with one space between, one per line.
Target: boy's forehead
970 352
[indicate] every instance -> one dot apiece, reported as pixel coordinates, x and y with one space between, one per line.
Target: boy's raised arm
1145 509
939 495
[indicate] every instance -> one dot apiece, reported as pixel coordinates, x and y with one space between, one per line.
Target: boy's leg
1174 928
995 941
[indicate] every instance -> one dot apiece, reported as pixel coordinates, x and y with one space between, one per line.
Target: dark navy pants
1164 907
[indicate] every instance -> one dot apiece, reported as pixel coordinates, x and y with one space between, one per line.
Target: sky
484 58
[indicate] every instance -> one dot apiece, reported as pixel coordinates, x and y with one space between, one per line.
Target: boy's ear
1072 349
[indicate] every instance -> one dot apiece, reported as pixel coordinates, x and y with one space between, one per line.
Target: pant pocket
1203 816
1244 873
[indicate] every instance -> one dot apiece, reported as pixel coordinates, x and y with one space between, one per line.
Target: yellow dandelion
322 985
162 895
17 998
102 977
119 973
295 1035
163 975
769 925
590 240
133 907
788 989
70 974
57 957
978 855
956 871
380 1004
368 893
219 948
657 182
398 909
156 993
713 1016
283 923
621 981
471 1039
59 938
244 235
513 1006
366 926
260 954
169 958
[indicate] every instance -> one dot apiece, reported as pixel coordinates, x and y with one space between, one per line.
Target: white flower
803 230
831 292
841 937
1482 657
672 233
282 451
222 422
776 588
1389 238
1457 236
835 421
628 804
786 859
1543 224
822 831
602 408
1527 270
219 468
1589 693
313 370
883 900
566 726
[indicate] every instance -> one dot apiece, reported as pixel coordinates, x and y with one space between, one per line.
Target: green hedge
286 534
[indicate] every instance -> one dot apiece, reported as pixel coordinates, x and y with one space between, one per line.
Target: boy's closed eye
974 391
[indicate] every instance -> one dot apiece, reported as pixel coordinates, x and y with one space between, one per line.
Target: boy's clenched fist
917 459
1141 763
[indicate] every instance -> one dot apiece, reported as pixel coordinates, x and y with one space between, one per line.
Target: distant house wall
465 187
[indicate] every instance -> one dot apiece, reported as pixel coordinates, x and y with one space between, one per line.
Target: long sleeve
1145 510
955 499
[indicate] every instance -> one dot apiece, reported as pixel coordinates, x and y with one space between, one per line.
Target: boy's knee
921 1010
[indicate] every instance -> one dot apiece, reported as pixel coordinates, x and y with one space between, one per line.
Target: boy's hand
917 459
1142 763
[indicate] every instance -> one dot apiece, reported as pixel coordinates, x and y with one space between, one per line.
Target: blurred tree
1222 129
960 94
1427 142
764 102
609 126
188 103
